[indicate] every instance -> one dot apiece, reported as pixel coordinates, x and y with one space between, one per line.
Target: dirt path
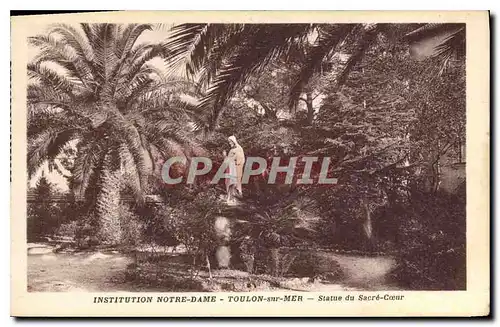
365 272
77 272
105 272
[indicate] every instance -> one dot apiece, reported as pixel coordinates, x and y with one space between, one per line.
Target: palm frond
124 42
151 100
165 80
366 40
81 45
105 56
330 36
122 34
168 128
453 44
128 135
140 57
47 145
41 121
59 52
190 45
218 55
150 79
37 94
90 32
84 165
186 103
101 38
51 78
133 90
436 40
129 38
171 95
261 44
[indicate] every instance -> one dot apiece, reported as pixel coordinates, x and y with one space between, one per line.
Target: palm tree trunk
107 208
275 261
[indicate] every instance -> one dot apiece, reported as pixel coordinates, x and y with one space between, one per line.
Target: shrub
85 233
42 214
432 244
159 225
68 229
285 261
186 219
312 264
246 250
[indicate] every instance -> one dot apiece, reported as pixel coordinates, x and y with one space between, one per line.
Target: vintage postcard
250 164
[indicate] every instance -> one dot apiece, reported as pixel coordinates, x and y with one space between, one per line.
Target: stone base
223 256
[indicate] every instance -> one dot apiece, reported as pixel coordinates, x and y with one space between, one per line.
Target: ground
110 271
73 272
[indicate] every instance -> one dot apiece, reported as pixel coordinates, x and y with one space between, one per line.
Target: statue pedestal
223 256
232 203
222 227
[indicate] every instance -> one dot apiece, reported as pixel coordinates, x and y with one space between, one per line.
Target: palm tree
93 86
223 57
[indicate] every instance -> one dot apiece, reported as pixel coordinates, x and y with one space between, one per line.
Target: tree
363 128
93 85
42 213
223 57
392 119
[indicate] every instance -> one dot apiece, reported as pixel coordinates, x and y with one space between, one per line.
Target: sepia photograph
300 158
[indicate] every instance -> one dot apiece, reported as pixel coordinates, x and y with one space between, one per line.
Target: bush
296 263
195 222
160 227
42 214
273 261
316 265
186 219
85 233
245 252
432 244
68 229
284 263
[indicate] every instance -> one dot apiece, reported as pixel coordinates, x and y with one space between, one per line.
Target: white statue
235 161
